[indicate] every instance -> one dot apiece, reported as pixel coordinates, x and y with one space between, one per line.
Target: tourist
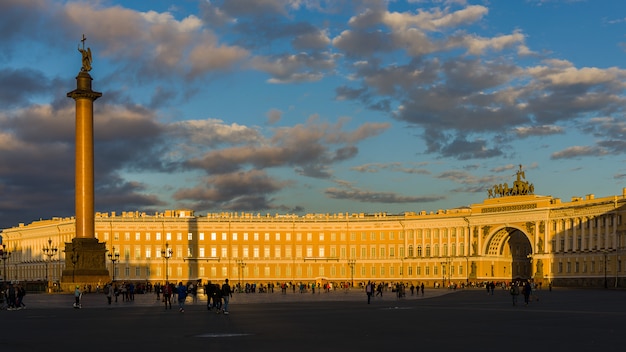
527 291
514 291
11 297
77 295
369 290
108 291
20 292
226 295
167 295
181 291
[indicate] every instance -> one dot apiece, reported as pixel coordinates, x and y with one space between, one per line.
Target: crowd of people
12 296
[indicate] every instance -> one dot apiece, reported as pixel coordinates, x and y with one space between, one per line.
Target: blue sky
311 106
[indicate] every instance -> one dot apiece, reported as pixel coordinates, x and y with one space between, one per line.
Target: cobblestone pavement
441 320
95 300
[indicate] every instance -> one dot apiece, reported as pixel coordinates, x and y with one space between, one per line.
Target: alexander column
85 261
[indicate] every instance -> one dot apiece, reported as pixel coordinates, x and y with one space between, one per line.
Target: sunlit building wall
577 243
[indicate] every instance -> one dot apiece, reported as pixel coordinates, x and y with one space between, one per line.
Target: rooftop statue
86 53
520 187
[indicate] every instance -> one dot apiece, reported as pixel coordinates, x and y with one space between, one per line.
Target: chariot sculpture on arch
86 53
520 187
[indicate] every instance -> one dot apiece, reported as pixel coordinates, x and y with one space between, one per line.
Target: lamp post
74 259
49 251
443 271
114 257
351 264
4 255
241 264
166 254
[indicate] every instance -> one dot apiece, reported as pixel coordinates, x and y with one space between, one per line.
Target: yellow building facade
576 243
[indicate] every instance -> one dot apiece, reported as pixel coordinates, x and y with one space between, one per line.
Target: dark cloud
359 195
244 190
20 86
306 147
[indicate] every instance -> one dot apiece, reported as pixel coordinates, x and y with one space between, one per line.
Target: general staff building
506 237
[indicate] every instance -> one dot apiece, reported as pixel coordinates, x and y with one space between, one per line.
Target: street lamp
74 259
4 255
167 254
351 264
241 264
114 257
49 251
443 271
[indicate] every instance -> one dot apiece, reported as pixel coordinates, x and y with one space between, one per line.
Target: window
411 251
189 236
137 236
419 250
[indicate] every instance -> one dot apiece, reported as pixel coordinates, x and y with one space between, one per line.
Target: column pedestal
85 264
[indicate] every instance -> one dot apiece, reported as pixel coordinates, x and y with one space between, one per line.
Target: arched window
411 251
419 250
428 250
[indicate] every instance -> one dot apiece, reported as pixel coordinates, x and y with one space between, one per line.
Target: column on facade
583 233
566 229
606 231
546 231
535 248
575 234
614 232
480 239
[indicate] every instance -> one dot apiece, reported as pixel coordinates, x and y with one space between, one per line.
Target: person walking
227 293
369 291
108 292
181 291
527 291
77 295
514 291
167 295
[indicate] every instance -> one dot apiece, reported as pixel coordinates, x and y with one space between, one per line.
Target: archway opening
510 252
